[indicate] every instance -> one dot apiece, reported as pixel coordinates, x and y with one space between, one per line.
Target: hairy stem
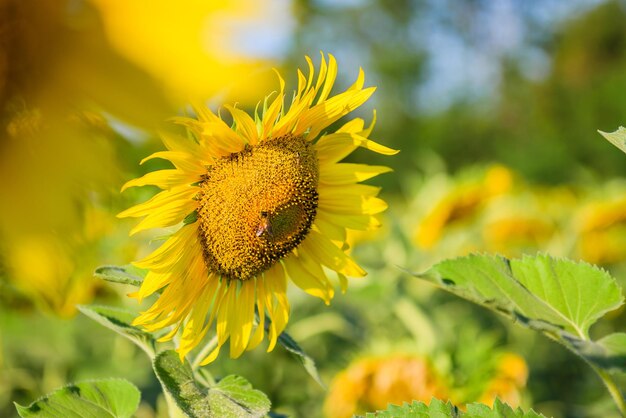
203 353
611 386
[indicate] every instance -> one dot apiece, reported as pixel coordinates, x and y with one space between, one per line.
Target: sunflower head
259 202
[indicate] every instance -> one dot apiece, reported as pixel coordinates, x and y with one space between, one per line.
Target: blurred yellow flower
371 383
507 383
506 235
50 230
601 231
43 269
260 201
460 203
524 221
188 45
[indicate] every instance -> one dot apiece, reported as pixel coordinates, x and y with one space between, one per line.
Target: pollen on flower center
257 205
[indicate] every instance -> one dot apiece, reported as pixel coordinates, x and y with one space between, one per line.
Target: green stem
203 353
173 411
606 378
611 386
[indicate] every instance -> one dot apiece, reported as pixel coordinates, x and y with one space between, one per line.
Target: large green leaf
119 320
109 398
232 396
558 297
439 409
121 274
617 138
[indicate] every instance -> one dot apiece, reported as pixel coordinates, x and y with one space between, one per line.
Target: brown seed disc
257 205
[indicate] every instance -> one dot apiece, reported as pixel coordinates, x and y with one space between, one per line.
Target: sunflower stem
611 386
203 353
173 411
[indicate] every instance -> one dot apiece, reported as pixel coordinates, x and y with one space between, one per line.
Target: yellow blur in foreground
64 64
190 45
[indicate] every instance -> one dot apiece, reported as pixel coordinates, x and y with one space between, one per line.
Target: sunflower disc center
257 205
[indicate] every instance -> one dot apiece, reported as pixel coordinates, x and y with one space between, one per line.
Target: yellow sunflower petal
169 214
245 125
307 279
163 198
181 160
196 328
354 221
220 139
343 282
323 251
273 111
171 334
360 81
286 124
179 143
275 282
354 199
220 294
321 77
259 332
311 72
329 80
163 179
345 173
241 316
338 145
353 126
323 114
332 231
212 356
171 251
367 132
173 306
224 325
302 81
151 283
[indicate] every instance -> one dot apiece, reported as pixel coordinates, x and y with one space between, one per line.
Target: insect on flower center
257 205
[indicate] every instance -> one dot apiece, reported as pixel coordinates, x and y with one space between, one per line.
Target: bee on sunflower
260 202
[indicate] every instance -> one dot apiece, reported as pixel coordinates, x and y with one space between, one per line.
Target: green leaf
439 409
540 290
128 274
617 138
500 410
292 346
119 320
115 398
558 297
232 396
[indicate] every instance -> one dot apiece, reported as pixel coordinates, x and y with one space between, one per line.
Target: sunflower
372 383
259 202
